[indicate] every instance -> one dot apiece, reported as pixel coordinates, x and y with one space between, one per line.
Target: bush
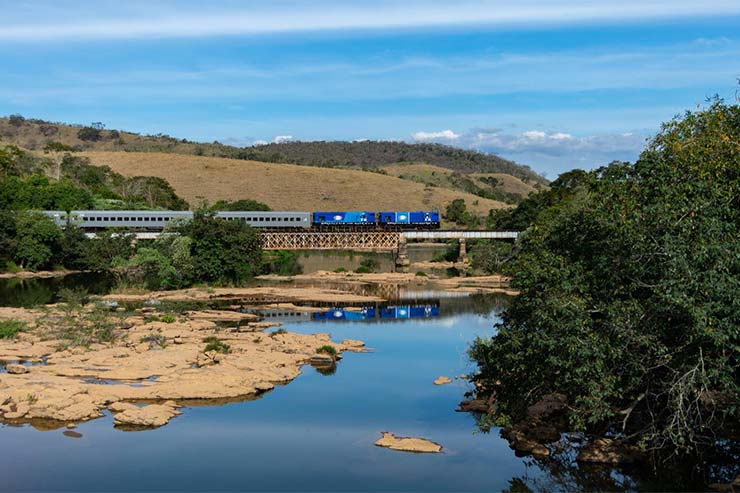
340 269
368 265
492 257
167 318
421 274
90 134
9 329
326 349
213 343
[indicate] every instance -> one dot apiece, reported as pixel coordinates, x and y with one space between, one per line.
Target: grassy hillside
495 186
285 186
39 135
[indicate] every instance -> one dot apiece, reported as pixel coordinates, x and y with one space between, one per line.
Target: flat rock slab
442 380
408 444
150 416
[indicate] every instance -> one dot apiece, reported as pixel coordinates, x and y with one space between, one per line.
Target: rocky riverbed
53 381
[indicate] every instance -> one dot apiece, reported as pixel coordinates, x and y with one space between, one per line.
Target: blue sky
554 85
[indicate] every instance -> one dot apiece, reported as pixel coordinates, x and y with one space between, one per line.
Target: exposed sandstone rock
608 451
408 444
76 384
16 369
442 380
353 343
150 416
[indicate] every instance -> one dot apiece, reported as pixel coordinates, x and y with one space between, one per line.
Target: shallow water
317 432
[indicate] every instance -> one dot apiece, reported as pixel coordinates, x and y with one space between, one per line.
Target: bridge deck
443 235
369 240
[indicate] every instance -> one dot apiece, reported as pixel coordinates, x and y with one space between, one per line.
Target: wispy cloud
186 20
445 135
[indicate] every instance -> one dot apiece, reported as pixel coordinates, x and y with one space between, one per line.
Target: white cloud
139 19
282 138
441 135
259 142
534 134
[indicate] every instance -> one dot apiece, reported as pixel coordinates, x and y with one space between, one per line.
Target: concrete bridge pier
402 256
462 254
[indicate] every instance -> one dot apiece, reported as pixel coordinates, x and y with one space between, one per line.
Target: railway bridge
391 241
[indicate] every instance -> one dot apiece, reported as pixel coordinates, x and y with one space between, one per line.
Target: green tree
629 285
37 241
222 251
240 205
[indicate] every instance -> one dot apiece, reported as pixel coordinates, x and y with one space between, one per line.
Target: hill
496 186
285 186
367 155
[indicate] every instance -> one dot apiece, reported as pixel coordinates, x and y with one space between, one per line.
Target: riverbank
162 360
42 274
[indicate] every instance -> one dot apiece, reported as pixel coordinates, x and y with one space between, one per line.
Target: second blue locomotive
376 220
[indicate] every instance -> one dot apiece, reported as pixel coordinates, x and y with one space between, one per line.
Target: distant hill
285 186
375 156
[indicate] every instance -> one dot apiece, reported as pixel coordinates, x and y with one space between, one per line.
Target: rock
322 359
608 451
352 343
119 407
408 444
150 416
16 369
548 406
71 426
442 380
474 405
72 434
521 443
20 411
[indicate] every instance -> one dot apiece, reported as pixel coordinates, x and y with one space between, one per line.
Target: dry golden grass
428 173
285 186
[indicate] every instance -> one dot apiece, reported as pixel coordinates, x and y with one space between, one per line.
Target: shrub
10 328
278 332
368 265
167 318
340 269
89 134
213 343
326 349
155 341
421 274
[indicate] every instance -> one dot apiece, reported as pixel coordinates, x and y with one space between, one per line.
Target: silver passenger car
157 220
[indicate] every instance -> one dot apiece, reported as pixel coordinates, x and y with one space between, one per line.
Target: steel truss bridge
360 240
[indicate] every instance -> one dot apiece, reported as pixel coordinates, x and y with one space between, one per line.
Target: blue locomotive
377 220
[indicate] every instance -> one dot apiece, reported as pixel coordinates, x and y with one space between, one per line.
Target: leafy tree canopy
630 280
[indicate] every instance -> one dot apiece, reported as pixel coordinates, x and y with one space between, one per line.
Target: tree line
629 280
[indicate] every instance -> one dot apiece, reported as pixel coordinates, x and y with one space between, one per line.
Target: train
272 220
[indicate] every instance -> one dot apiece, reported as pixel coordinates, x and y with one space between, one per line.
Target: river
317 432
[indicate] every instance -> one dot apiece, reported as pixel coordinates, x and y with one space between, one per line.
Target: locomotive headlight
402 217
337 314
337 217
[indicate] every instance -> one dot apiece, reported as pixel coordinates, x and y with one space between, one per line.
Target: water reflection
40 291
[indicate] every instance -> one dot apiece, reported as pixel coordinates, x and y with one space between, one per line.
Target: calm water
316 433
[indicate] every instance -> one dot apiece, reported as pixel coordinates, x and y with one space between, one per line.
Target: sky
555 85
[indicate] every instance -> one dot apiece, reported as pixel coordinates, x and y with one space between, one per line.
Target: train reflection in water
385 313
353 314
